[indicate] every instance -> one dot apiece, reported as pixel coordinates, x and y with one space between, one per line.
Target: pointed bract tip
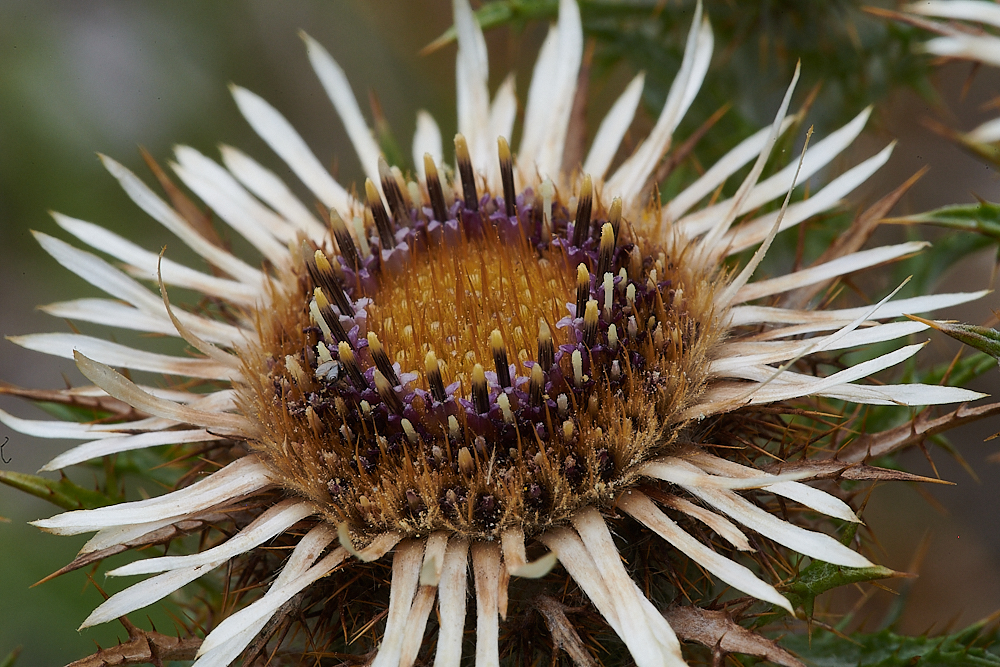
607 235
429 166
431 362
462 149
536 569
615 212
503 149
384 171
371 192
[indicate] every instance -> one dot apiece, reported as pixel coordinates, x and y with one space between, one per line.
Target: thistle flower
485 366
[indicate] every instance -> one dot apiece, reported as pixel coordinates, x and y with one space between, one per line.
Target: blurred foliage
988 152
72 413
11 658
974 646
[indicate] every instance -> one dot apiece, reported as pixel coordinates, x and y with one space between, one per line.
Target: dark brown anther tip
345 242
388 395
507 177
500 359
386 232
582 288
381 359
590 320
536 389
324 274
607 251
480 390
350 362
434 379
434 189
546 348
333 321
615 216
584 204
465 172
393 195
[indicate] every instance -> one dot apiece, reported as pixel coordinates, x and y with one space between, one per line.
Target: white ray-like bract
629 179
125 443
179 570
242 477
144 264
645 511
433 567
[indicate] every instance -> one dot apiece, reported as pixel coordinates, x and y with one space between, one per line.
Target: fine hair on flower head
494 367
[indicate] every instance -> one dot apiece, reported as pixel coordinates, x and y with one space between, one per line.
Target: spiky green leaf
888 649
821 577
62 492
983 339
982 218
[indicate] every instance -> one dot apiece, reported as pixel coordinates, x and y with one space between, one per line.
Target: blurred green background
78 78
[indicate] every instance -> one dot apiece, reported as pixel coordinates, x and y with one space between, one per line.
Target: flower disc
479 372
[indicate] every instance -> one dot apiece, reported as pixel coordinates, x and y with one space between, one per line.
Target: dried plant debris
719 632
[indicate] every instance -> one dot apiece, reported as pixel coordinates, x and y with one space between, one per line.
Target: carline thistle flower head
486 367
